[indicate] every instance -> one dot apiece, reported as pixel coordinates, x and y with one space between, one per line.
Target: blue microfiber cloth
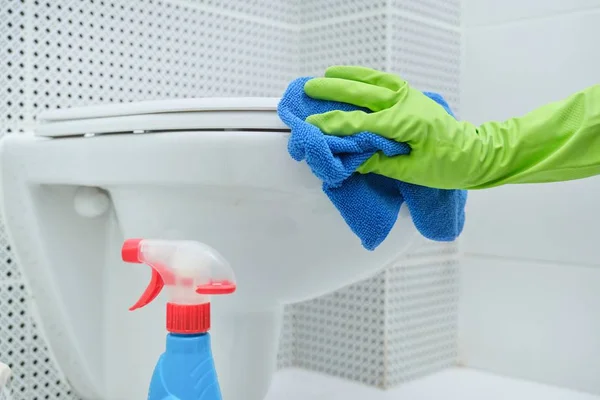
369 203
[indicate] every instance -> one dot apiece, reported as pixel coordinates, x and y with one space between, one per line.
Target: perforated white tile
342 334
12 64
361 41
320 10
15 331
271 11
421 319
8 269
428 57
287 345
35 376
111 51
45 381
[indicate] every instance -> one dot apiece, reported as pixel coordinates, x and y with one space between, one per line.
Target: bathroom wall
21 345
531 281
68 53
419 40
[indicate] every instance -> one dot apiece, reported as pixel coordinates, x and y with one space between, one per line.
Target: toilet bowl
211 170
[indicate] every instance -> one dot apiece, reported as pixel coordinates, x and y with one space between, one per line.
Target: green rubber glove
557 142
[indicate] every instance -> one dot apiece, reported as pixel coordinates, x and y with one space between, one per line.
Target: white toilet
212 170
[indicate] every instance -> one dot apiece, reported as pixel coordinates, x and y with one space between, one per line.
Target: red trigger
154 287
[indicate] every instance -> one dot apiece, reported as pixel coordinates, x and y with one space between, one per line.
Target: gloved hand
557 142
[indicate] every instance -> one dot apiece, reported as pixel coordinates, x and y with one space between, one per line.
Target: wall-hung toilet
212 170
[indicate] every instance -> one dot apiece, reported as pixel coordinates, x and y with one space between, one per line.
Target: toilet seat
236 114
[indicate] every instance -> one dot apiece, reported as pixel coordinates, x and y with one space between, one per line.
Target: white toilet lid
163 115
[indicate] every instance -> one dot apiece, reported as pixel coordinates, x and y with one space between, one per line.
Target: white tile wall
484 12
360 40
448 11
537 321
286 11
510 70
530 299
96 52
427 56
421 307
314 12
12 62
556 222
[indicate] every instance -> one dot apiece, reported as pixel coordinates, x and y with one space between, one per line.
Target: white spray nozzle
193 270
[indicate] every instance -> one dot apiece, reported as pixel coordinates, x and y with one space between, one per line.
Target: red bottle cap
188 319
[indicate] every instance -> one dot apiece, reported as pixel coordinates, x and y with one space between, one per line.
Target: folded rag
368 203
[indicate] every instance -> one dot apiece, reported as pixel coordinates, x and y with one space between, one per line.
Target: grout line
427 21
556 263
541 18
14 282
420 261
235 14
389 9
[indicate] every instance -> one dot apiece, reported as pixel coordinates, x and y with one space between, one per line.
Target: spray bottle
193 272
